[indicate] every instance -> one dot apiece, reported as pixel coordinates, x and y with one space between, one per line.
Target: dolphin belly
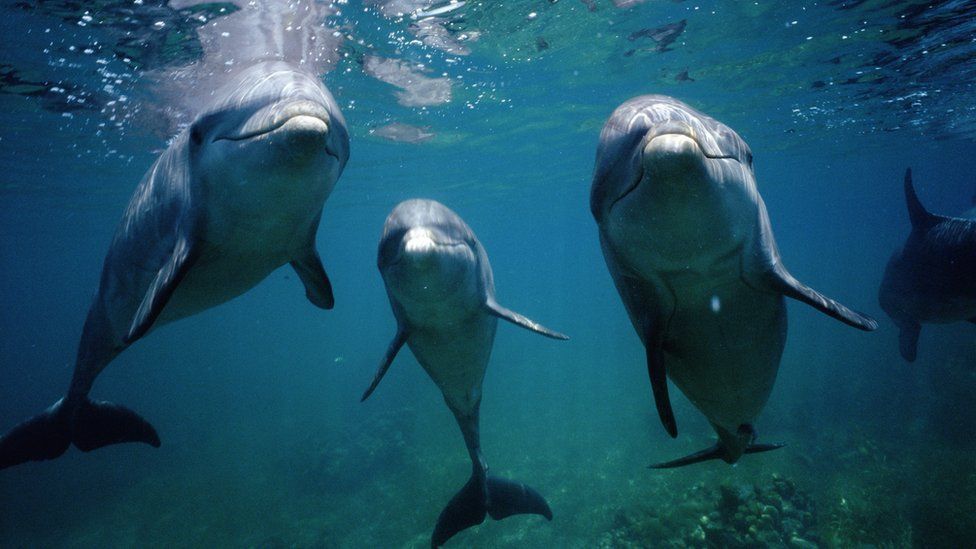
251 230
456 357
723 349
218 278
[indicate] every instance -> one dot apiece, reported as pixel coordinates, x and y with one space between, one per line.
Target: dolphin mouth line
277 125
640 175
630 189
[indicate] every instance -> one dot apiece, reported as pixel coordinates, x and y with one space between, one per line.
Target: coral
772 514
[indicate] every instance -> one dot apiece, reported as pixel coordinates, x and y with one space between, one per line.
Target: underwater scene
247 298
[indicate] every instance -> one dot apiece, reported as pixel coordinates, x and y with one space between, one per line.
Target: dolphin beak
304 116
416 244
671 146
419 244
305 132
671 139
679 138
673 157
669 127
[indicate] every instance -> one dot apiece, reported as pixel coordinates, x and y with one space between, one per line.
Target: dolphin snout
671 145
671 154
304 133
672 127
671 140
418 248
302 108
419 242
424 248
305 117
706 141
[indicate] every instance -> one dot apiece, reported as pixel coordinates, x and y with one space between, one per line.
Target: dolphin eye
749 158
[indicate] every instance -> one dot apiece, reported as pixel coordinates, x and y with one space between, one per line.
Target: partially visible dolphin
440 286
236 195
687 240
932 278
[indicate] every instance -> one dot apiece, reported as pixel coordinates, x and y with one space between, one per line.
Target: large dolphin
236 195
932 278
688 243
440 286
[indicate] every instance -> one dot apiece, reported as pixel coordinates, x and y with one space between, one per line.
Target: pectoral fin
908 340
519 320
162 287
659 379
780 280
650 306
318 288
763 269
391 352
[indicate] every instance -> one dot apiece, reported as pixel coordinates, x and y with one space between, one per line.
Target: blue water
265 442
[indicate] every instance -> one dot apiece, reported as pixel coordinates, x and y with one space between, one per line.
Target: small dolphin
687 240
238 194
932 278
440 286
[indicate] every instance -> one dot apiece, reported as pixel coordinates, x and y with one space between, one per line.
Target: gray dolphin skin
236 195
687 240
932 278
440 286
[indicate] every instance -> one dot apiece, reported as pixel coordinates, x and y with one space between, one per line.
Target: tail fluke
718 451
89 426
467 508
497 497
99 423
514 498
44 436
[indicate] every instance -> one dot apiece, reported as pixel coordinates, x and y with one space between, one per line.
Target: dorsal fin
920 217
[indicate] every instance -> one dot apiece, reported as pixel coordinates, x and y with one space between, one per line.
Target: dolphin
688 242
932 278
441 289
236 195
